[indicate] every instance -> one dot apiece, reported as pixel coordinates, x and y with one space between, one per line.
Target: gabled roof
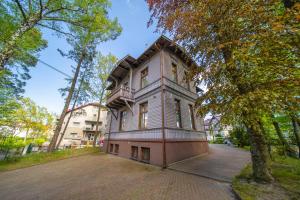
123 65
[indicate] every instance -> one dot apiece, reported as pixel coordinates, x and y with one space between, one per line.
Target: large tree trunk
58 127
296 131
98 118
8 49
72 109
259 153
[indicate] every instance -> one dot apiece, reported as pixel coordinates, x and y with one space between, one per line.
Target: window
90 136
145 154
144 78
178 113
192 119
134 152
186 79
116 148
111 148
76 123
174 73
95 115
143 116
123 115
74 135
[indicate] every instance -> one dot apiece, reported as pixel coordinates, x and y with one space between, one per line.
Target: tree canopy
248 55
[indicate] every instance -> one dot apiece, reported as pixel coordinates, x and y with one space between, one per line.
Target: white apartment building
82 126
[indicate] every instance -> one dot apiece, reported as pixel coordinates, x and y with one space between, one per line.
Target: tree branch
54 29
64 20
21 9
41 8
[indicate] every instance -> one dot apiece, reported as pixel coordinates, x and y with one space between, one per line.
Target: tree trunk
25 138
259 153
8 49
268 142
58 127
98 118
286 147
296 131
72 109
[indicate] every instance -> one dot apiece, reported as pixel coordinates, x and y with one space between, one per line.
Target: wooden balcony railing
122 93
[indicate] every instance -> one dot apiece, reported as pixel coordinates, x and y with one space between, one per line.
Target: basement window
146 154
116 148
111 148
134 152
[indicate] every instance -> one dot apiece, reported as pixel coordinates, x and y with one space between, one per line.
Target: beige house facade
82 125
151 107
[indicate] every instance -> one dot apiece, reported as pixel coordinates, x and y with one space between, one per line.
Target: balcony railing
90 128
122 93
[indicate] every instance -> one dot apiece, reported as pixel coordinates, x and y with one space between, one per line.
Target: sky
43 86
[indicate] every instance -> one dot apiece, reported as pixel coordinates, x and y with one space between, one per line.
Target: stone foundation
175 150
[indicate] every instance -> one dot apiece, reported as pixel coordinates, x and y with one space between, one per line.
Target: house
82 125
151 103
214 128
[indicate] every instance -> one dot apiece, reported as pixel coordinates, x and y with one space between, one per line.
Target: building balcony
119 97
90 128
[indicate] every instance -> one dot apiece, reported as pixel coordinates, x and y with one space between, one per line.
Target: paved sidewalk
222 163
107 177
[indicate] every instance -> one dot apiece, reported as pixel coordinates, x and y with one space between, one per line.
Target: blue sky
133 16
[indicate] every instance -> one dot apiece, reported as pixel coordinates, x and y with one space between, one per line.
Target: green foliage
248 52
218 140
101 71
21 23
22 116
286 172
40 158
239 137
36 121
11 142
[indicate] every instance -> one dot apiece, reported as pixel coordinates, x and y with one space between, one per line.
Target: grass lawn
39 158
286 172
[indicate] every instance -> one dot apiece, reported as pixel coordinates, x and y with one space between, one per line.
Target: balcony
90 128
119 97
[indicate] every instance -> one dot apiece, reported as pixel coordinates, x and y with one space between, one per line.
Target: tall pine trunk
8 49
58 127
72 109
259 153
98 118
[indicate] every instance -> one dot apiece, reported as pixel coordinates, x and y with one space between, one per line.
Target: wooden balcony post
130 80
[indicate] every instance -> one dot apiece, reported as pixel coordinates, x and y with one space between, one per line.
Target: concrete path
222 163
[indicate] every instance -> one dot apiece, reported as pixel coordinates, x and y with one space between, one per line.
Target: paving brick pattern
222 163
107 177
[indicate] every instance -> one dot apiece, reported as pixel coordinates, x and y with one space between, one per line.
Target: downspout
163 109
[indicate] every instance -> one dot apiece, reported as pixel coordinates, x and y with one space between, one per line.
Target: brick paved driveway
222 163
100 176
103 176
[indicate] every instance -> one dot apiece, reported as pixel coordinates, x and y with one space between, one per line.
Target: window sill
145 161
